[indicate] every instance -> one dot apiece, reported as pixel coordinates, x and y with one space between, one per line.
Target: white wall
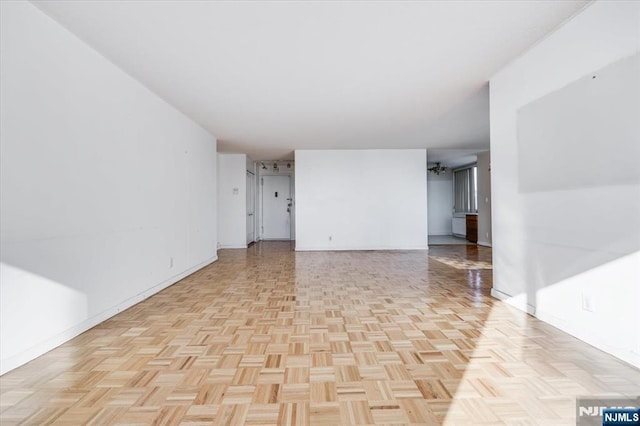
108 194
484 199
232 200
570 253
440 202
362 199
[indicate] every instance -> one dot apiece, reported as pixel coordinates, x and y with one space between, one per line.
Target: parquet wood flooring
266 336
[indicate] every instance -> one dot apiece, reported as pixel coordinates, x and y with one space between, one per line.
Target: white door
251 207
276 191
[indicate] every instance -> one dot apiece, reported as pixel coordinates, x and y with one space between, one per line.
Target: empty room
319 212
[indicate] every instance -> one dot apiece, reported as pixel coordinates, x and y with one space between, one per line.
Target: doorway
251 207
460 188
276 207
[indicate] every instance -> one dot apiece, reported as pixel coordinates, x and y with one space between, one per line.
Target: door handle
250 214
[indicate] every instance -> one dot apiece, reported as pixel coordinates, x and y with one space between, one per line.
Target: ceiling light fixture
437 169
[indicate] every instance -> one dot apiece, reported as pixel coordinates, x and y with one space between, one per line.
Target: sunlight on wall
30 306
592 299
598 306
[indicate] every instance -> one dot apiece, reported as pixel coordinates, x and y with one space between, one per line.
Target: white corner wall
570 254
484 199
232 200
440 203
361 199
108 194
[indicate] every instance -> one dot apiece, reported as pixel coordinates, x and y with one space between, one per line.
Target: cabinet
472 228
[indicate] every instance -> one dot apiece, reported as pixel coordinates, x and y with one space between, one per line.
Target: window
465 186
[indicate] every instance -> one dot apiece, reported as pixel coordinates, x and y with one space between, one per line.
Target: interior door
276 190
251 207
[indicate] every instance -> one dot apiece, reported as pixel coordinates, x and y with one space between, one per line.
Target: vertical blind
465 188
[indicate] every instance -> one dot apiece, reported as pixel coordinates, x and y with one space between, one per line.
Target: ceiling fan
437 169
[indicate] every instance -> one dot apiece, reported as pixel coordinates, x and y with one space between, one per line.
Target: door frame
288 237
283 168
251 194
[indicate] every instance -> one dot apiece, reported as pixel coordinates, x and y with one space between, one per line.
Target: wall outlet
588 302
330 238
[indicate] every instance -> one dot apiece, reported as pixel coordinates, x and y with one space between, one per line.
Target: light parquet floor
267 336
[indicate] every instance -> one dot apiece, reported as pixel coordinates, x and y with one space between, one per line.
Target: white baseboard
484 244
357 248
590 337
30 354
578 332
233 246
517 301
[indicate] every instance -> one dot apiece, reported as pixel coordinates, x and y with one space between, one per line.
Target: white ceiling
270 77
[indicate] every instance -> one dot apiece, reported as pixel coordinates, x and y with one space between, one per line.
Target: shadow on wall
575 237
582 273
580 212
25 299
